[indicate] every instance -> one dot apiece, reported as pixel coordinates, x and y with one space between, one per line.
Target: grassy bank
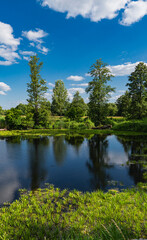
55 214
54 132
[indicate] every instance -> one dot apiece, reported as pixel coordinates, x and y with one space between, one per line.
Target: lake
74 162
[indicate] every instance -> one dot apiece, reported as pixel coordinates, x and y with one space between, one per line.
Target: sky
69 36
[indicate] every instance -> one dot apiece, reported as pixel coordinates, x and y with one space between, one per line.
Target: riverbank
54 132
53 214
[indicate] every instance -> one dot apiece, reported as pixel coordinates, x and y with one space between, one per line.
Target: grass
53 214
48 132
132 125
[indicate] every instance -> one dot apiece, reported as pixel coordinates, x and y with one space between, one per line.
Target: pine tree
36 88
99 91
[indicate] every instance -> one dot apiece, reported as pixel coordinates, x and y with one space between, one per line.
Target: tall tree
36 88
137 86
99 91
123 105
59 99
78 107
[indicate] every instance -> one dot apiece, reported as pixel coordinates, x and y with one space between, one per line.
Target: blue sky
69 36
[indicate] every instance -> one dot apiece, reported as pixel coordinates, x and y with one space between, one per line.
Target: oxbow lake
73 162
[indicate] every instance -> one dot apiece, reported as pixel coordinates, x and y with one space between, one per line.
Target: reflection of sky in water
66 162
116 152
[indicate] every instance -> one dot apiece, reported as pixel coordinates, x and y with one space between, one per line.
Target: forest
129 112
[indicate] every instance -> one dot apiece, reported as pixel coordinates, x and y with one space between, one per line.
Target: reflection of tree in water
15 140
98 151
60 148
75 140
37 161
134 148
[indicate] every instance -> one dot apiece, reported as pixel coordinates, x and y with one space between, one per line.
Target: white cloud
51 84
8 45
87 75
35 36
134 11
123 69
42 49
75 78
27 53
72 91
96 10
80 85
4 88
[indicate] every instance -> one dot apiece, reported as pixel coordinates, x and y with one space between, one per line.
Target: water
73 162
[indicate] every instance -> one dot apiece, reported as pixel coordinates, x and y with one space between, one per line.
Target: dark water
73 162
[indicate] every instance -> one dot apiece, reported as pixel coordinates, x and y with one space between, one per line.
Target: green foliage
59 99
53 214
99 91
112 109
123 105
77 108
2 122
132 125
138 92
13 119
22 108
36 88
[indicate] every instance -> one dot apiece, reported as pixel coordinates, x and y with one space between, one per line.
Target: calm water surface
73 162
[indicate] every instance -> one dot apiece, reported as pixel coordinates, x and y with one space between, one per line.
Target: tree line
37 113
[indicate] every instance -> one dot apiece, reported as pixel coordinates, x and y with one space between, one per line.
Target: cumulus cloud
8 45
72 91
75 78
96 10
123 69
36 37
4 88
134 11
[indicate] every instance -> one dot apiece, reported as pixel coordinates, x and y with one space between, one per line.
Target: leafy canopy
99 91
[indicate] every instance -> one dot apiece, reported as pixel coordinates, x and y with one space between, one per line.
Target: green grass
53 214
132 125
52 132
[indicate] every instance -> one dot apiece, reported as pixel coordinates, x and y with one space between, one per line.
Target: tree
23 108
137 86
59 99
99 91
112 109
123 105
36 88
77 108
13 119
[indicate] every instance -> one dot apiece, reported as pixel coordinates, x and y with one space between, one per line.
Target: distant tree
112 109
23 108
1 110
99 91
36 88
123 105
137 86
13 119
78 107
59 99
45 112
